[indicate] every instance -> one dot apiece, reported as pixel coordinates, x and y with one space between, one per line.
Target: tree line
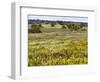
72 26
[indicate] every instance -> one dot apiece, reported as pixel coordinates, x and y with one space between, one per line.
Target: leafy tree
74 27
40 25
35 29
52 24
63 27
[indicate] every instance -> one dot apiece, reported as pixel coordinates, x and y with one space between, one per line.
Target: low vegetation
57 46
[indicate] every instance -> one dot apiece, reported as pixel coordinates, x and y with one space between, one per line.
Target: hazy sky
61 18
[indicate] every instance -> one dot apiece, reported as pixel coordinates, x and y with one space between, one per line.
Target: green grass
57 48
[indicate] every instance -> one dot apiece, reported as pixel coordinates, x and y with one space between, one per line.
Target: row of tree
36 28
83 24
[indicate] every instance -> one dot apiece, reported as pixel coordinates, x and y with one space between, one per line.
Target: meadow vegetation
57 44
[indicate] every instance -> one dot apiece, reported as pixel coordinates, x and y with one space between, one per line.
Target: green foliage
63 27
74 27
52 24
40 25
83 29
60 22
35 28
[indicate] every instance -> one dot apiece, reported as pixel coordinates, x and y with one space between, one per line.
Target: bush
63 27
74 27
52 24
40 25
35 29
70 27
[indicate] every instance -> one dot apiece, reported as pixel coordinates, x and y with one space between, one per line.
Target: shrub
74 27
40 25
35 29
83 29
63 27
52 24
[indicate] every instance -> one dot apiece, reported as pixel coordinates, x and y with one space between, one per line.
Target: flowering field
57 48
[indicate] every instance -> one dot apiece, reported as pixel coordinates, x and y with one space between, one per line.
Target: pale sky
60 18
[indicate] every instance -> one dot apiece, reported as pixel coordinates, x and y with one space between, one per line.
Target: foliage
63 27
40 25
35 28
52 24
74 27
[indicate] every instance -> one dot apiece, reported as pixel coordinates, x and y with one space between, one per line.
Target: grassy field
59 47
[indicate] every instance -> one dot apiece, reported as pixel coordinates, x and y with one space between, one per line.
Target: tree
52 24
63 27
74 27
35 29
40 25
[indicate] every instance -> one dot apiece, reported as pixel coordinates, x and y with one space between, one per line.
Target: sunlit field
57 46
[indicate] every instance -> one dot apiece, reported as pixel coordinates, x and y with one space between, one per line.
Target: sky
60 18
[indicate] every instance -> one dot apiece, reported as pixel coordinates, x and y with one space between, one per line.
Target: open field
59 47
